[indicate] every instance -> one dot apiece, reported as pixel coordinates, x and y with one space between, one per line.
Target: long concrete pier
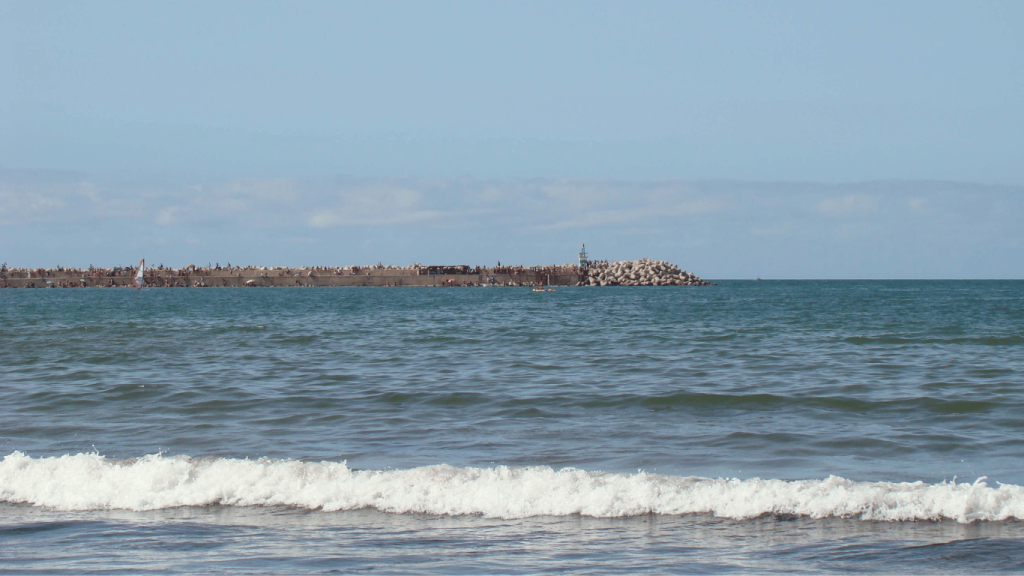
254 276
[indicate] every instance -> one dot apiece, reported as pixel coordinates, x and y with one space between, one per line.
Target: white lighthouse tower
584 261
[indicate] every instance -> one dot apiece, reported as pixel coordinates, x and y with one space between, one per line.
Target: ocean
774 426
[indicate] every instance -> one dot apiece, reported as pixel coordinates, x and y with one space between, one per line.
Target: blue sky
845 136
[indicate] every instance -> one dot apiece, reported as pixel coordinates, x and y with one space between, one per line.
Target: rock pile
640 273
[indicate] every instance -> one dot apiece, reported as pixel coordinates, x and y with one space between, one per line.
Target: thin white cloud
595 218
167 216
337 219
854 204
29 206
490 194
645 212
371 205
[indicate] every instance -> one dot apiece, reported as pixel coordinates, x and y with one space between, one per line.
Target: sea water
766 426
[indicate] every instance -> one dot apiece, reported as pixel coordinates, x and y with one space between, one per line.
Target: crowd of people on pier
520 269
594 272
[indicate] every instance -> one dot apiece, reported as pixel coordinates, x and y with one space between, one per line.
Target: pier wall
274 278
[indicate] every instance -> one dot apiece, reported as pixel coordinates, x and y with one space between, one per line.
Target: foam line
93 482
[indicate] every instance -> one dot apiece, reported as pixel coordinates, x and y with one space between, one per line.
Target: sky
736 139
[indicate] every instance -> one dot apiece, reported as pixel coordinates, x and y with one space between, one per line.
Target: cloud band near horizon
720 229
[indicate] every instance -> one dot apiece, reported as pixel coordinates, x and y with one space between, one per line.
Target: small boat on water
541 287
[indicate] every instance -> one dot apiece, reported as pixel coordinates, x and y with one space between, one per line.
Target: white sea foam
93 482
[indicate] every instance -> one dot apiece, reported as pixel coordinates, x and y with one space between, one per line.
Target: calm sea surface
765 426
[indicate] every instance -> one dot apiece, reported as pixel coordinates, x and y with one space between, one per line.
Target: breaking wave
94 482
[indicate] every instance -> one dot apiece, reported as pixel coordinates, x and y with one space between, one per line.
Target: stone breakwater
628 273
642 272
